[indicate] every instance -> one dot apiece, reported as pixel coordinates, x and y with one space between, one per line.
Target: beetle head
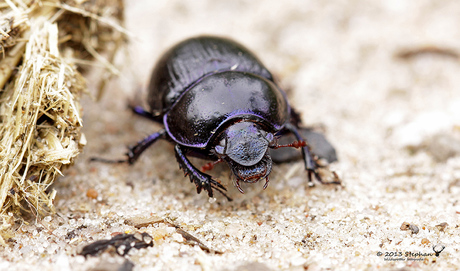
244 146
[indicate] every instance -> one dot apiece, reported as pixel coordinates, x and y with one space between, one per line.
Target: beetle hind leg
135 151
201 180
138 110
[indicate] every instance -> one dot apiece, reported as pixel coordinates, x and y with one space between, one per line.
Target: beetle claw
237 184
205 182
312 172
198 189
336 179
210 193
266 183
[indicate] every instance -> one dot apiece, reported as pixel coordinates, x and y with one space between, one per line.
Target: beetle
217 101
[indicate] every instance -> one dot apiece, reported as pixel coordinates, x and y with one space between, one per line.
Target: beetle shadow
317 142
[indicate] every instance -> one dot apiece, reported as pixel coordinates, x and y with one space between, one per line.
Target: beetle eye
269 137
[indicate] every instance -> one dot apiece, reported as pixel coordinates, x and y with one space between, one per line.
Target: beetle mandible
217 101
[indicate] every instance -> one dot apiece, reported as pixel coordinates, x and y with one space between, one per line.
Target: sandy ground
395 122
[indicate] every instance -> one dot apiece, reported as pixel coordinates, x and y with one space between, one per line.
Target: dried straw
40 90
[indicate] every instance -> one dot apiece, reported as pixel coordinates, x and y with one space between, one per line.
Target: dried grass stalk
40 90
40 129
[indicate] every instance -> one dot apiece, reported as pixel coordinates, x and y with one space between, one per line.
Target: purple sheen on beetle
217 101
202 110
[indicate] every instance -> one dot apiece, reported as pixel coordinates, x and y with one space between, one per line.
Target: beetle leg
201 180
135 151
310 164
266 183
138 110
237 184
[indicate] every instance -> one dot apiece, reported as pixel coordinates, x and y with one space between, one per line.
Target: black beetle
217 101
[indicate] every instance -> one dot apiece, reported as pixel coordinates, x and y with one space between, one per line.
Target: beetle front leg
135 151
201 180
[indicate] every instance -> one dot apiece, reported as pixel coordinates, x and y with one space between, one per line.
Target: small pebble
406 226
414 229
92 193
442 226
425 241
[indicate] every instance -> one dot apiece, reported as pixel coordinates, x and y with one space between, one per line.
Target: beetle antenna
210 165
295 144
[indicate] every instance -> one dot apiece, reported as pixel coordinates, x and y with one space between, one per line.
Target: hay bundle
40 90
